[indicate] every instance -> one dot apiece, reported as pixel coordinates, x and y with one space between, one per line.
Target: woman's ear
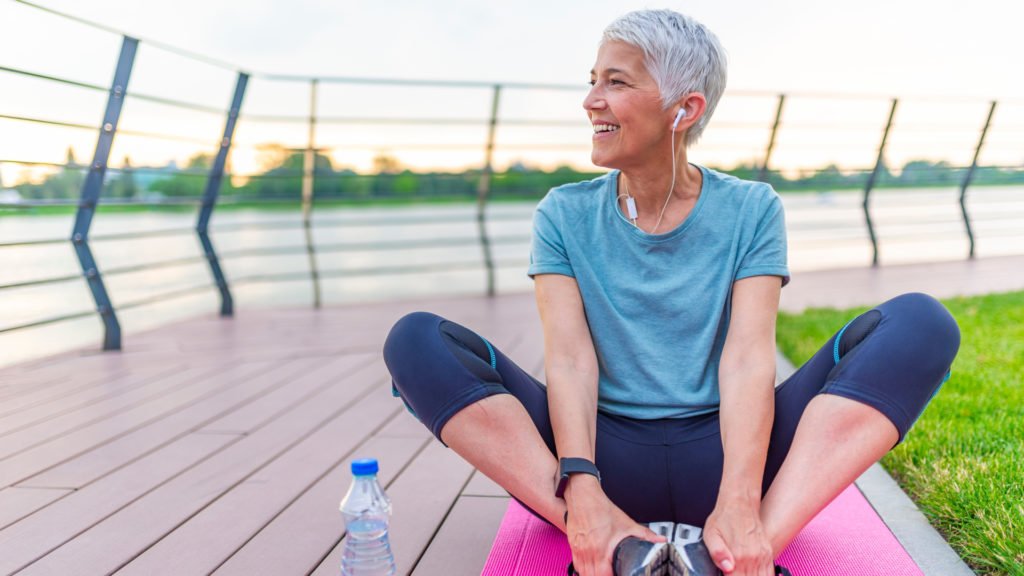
679 116
691 108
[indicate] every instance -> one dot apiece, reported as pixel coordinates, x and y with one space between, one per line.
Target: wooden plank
34 460
34 536
326 333
251 416
75 399
465 539
299 377
308 332
9 387
405 425
112 543
44 372
295 541
215 533
61 373
421 497
135 406
34 396
70 374
17 502
15 382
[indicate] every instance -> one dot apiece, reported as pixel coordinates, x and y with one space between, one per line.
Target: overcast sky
909 46
886 48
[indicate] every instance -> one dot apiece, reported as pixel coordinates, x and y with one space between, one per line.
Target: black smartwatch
570 466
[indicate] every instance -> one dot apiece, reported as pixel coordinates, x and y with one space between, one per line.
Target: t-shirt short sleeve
547 248
766 253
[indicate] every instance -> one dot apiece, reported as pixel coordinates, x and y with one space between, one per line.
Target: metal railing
95 176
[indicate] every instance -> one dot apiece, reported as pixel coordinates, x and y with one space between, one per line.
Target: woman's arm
570 366
746 378
595 524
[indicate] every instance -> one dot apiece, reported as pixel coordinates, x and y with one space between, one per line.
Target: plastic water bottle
366 510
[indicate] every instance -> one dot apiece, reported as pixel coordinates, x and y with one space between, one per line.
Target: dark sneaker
683 555
636 557
689 556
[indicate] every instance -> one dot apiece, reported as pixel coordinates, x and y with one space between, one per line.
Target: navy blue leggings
893 357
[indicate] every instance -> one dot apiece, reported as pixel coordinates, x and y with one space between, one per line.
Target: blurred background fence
140 182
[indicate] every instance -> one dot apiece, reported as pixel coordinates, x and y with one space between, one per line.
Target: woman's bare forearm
570 370
570 367
572 406
747 413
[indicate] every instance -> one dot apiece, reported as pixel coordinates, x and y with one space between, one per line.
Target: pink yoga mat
847 538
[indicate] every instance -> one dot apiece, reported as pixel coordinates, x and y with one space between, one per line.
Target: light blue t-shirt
658 305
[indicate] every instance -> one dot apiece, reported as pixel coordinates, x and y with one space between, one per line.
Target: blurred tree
925 172
406 184
122 184
384 163
65 183
283 171
189 184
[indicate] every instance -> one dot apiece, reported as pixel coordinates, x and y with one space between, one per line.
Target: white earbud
679 116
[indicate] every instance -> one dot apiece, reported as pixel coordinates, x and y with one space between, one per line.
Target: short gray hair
680 53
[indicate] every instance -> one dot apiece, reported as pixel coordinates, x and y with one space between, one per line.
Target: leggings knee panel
439 367
895 357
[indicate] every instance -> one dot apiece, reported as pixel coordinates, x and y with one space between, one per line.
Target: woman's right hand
596 526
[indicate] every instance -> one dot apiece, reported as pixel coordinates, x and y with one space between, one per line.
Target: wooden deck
222 446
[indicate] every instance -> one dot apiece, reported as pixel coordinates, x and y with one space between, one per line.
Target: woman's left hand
737 541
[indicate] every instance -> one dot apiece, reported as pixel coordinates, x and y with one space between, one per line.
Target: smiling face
624 106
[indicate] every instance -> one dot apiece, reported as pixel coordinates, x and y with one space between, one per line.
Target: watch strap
570 466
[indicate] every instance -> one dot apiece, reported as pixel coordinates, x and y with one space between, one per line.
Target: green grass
963 462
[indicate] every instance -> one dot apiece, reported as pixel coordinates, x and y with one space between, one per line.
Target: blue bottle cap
364 467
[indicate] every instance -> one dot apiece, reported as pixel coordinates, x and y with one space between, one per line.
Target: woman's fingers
745 560
645 533
590 554
720 553
595 565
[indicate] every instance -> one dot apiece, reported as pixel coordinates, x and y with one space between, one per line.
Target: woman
658 286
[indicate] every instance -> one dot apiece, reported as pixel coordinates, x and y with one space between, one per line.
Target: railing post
213 182
93 187
771 141
483 189
970 175
871 182
309 169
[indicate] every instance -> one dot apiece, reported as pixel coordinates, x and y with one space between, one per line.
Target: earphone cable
671 188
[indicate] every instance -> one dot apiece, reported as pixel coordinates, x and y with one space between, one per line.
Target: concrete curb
928 549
